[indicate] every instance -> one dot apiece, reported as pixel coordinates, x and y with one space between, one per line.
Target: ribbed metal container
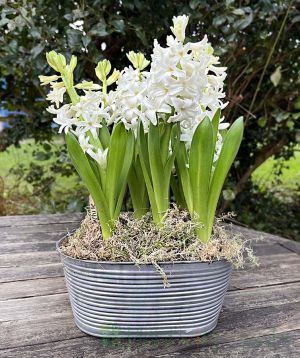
124 300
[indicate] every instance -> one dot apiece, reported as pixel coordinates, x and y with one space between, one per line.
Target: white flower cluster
84 119
184 84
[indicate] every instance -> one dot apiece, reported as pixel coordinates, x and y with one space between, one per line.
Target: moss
141 241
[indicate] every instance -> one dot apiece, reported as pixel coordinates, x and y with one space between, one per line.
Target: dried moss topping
141 241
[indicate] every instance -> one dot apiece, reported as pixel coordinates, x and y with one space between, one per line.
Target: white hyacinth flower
84 142
179 26
64 117
99 156
56 95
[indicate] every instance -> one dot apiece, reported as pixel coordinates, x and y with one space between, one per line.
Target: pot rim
58 249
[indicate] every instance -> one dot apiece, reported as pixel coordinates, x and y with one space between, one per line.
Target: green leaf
276 76
156 167
144 158
183 171
181 166
165 141
228 153
215 125
138 190
118 25
143 149
200 168
115 158
104 136
219 20
123 175
245 22
262 121
194 3
36 50
239 12
82 165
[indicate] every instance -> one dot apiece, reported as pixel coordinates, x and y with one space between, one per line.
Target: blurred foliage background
257 40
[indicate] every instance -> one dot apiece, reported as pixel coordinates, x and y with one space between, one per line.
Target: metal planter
124 300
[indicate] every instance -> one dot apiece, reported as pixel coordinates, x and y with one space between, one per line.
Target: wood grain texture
273 270
272 346
39 230
27 220
32 288
29 258
260 316
17 248
31 237
22 273
285 344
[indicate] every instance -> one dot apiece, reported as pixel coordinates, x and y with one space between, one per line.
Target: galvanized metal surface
123 300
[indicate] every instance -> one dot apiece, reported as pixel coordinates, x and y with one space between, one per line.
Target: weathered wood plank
274 260
39 229
280 345
251 234
26 220
273 270
32 237
262 297
30 272
32 288
16 248
42 330
36 307
269 249
274 345
30 258
292 246
233 326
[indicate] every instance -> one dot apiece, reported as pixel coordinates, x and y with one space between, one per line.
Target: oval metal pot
125 300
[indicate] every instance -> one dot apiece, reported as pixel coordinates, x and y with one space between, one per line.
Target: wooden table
260 317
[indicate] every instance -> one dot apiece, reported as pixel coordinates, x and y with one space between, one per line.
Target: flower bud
88 85
180 24
102 70
73 62
61 62
45 80
68 76
56 60
138 60
57 85
113 77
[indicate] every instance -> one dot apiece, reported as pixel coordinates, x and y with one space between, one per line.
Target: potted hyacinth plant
155 131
